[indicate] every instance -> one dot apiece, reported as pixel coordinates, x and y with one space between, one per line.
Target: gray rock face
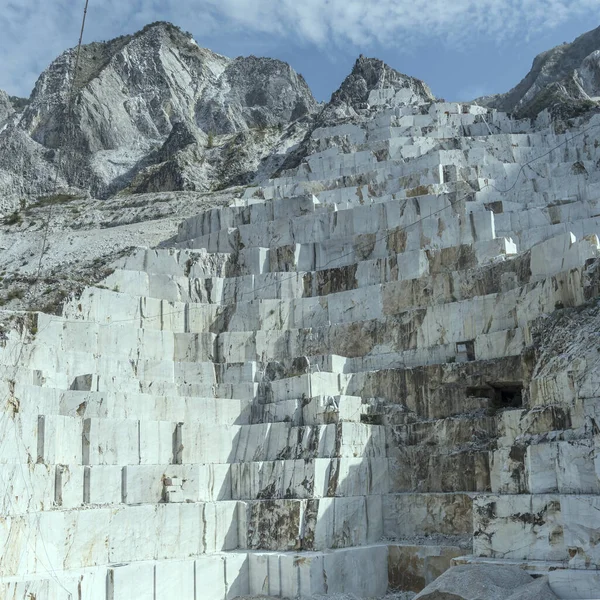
565 77
26 169
6 108
350 103
255 92
371 74
138 100
128 90
479 582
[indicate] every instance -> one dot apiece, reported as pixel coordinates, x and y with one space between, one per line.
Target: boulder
478 582
536 590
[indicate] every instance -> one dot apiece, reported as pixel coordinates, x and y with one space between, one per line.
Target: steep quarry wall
376 366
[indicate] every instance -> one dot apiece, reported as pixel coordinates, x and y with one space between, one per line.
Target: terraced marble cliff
369 368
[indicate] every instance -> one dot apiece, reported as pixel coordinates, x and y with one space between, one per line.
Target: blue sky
461 48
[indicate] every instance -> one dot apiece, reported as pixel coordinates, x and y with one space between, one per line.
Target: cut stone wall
324 388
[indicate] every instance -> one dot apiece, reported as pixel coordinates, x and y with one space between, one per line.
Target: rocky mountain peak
565 78
268 93
130 92
372 74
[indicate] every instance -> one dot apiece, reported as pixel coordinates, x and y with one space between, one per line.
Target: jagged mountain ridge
155 112
372 74
370 80
129 93
148 107
565 78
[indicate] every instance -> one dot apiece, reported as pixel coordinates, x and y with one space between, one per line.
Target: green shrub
13 219
15 293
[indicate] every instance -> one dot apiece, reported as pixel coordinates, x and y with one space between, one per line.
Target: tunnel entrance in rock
507 395
465 351
502 395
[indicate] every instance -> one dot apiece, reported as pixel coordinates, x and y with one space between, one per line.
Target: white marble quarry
321 389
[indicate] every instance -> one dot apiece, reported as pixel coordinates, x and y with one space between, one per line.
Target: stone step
125 340
292 479
168 388
80 539
155 385
329 165
462 387
563 467
71 486
484 160
227 217
310 525
223 576
319 226
180 530
443 268
393 298
361 572
437 231
91 441
377 345
559 179
276 441
490 163
89 371
446 270
427 514
317 410
518 307
35 400
516 221
581 228
307 385
177 262
394 173
351 376
548 526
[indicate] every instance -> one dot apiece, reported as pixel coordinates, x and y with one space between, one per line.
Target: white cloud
35 31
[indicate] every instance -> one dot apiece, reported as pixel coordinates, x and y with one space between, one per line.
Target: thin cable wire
69 115
50 568
377 239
